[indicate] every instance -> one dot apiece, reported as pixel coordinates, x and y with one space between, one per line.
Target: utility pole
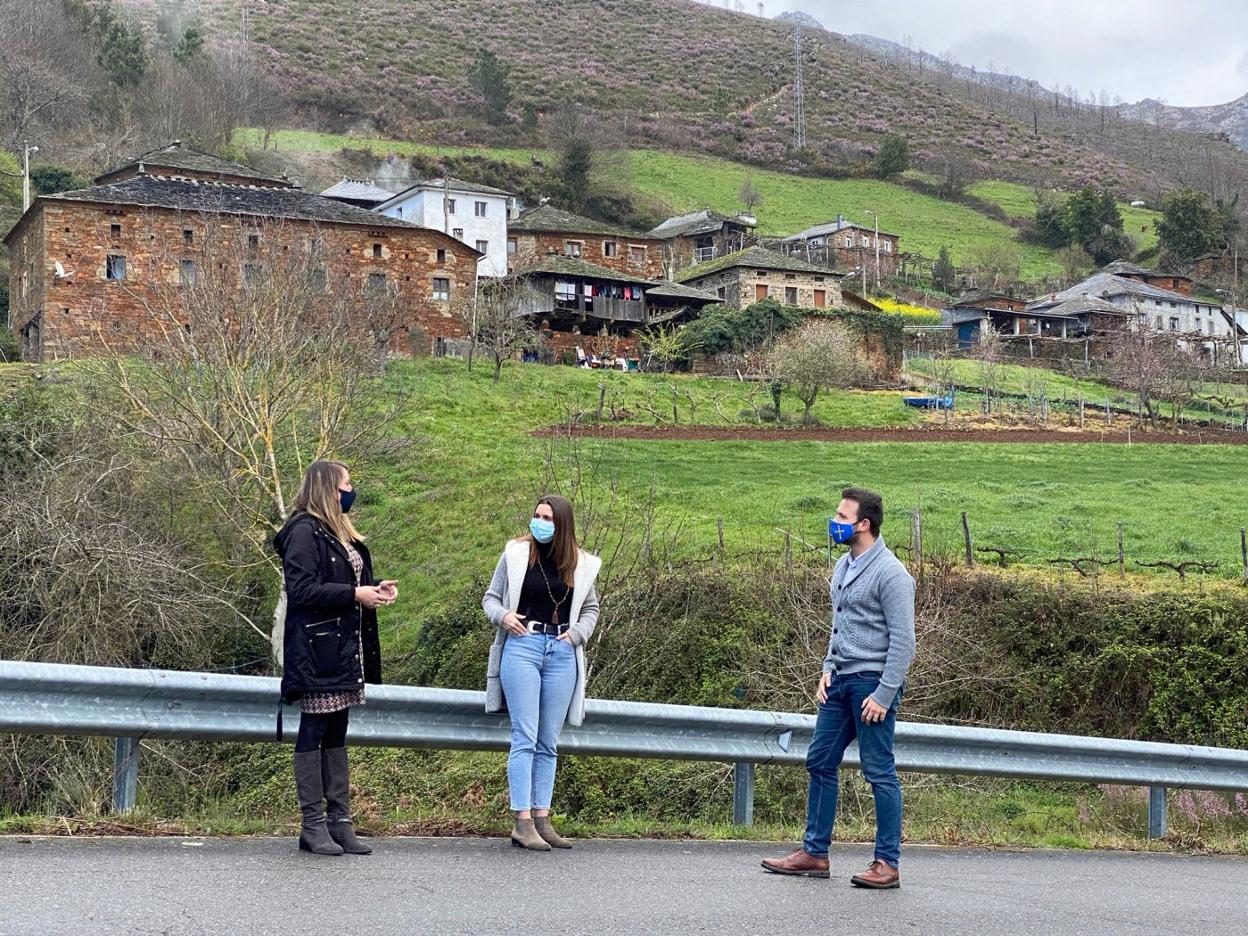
799 109
26 151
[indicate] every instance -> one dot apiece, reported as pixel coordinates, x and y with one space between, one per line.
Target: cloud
1194 52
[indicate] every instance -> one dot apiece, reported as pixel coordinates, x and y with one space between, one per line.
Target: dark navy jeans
838 724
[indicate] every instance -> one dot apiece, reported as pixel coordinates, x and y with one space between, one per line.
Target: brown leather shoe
800 862
879 875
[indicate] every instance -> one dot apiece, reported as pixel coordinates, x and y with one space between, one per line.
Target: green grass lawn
440 512
790 203
1018 201
1017 378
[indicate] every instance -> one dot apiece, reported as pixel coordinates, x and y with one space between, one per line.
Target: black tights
325 732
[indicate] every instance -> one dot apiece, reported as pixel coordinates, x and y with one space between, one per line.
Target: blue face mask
346 499
543 530
841 533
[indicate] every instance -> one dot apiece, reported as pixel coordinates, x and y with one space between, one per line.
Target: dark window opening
114 231
116 268
376 251
188 237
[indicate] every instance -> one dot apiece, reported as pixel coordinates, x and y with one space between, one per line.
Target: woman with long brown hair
542 601
330 647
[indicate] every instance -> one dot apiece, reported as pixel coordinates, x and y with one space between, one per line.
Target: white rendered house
474 214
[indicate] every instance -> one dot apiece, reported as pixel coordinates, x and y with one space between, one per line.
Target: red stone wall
531 248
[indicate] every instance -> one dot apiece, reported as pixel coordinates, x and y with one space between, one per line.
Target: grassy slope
440 513
790 202
1017 201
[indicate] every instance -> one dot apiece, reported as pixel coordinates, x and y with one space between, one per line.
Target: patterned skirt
325 703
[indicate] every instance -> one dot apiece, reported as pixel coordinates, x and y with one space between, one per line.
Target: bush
10 347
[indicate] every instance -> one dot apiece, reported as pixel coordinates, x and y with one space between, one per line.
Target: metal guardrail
131 705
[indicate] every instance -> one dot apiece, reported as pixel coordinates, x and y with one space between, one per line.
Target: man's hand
872 711
822 692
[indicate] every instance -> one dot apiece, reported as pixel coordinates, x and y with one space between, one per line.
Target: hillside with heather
673 74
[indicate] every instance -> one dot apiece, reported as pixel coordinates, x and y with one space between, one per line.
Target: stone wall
531 247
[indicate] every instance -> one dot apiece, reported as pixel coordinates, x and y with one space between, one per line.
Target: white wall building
472 213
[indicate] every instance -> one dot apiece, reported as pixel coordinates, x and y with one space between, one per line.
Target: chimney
840 219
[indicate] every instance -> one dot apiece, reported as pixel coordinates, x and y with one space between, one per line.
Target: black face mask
346 499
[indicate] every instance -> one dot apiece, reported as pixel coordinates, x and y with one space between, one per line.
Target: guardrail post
1157 812
125 774
743 793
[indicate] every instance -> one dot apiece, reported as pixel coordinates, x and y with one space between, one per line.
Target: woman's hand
389 590
566 637
370 596
515 623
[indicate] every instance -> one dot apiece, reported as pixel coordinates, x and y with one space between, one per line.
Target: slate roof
831 227
547 219
221 198
1103 285
358 190
759 257
177 155
677 291
1125 268
703 221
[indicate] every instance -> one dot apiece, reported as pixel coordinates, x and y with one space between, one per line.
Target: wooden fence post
1243 549
966 536
1122 565
720 526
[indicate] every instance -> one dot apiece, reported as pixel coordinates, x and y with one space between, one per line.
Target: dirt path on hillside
761 434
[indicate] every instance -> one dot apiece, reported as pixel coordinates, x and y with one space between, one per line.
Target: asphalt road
183 887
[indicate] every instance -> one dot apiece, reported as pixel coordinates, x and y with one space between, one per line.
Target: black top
544 597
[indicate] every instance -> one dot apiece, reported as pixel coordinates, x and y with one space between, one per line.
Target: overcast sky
1186 52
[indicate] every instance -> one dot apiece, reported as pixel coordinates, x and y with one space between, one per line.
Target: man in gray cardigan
869 652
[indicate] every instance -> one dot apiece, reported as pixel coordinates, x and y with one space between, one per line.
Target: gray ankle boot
337 781
525 836
314 833
548 833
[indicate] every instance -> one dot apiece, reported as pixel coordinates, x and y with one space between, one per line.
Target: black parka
330 643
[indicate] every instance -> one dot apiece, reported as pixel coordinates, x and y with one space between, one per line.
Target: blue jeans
538 675
839 722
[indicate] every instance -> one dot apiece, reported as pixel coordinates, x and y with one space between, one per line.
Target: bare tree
749 195
1143 363
997 264
251 363
990 352
498 320
818 356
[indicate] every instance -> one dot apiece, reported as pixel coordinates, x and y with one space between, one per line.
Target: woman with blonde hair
330 647
542 601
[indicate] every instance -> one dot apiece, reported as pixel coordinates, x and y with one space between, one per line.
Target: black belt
550 630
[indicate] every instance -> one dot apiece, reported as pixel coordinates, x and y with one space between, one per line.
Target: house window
441 288
187 273
1174 323
821 298
511 246
866 241
478 209
253 241
458 233
376 284
637 253
849 241
483 246
188 237
887 245
114 231
115 269
1174 305
565 292
450 206
760 291
610 249
441 255
253 274
1159 324
571 248
376 251
721 292
790 295
320 279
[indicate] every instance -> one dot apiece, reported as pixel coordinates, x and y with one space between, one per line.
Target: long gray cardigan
503 595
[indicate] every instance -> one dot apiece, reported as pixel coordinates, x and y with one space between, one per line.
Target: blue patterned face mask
543 530
841 533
